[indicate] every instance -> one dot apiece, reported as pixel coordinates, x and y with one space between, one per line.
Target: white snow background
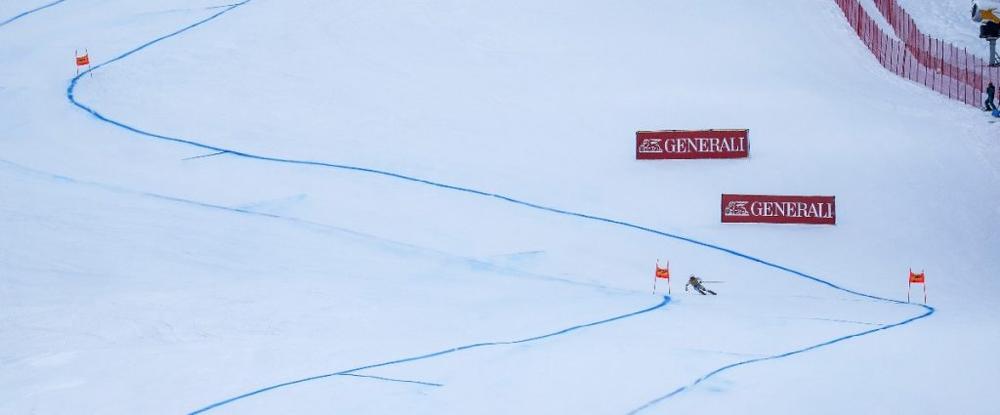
137 279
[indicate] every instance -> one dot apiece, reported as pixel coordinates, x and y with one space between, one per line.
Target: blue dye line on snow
317 225
39 8
865 323
928 311
221 6
205 155
392 380
72 86
666 300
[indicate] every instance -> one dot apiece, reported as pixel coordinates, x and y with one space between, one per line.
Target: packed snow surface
951 21
434 207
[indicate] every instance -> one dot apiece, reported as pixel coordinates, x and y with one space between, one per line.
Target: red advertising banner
809 210
705 144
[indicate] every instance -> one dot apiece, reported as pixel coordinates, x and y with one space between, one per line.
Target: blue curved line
70 95
928 311
317 225
416 382
4 23
666 300
72 87
73 83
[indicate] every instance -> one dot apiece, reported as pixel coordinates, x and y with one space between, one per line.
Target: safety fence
911 54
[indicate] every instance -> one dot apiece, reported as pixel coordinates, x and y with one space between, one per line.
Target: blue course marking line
71 180
316 225
392 380
4 23
928 311
70 95
205 155
666 300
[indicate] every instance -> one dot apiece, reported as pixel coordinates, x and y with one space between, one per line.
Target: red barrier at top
83 60
936 64
809 210
703 144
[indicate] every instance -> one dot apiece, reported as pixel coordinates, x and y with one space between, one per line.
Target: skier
990 92
696 283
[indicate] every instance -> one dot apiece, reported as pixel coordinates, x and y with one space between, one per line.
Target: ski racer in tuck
697 284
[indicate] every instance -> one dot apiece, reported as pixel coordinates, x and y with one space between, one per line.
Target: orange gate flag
662 272
916 278
83 60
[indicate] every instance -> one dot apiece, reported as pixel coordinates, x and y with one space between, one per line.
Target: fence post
971 74
920 67
920 60
901 55
899 58
906 64
892 51
937 65
885 48
928 64
951 76
928 67
965 75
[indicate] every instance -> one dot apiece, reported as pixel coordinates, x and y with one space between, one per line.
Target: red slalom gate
695 144
663 273
807 210
916 278
82 60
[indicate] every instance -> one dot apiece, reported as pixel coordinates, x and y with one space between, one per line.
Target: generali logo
678 144
811 210
650 145
737 208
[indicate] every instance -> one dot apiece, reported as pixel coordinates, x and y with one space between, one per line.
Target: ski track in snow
666 299
927 310
310 225
39 8
393 380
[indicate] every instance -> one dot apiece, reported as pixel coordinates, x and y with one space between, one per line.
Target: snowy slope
951 21
872 9
112 282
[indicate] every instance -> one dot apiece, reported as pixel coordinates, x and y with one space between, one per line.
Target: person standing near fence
990 92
